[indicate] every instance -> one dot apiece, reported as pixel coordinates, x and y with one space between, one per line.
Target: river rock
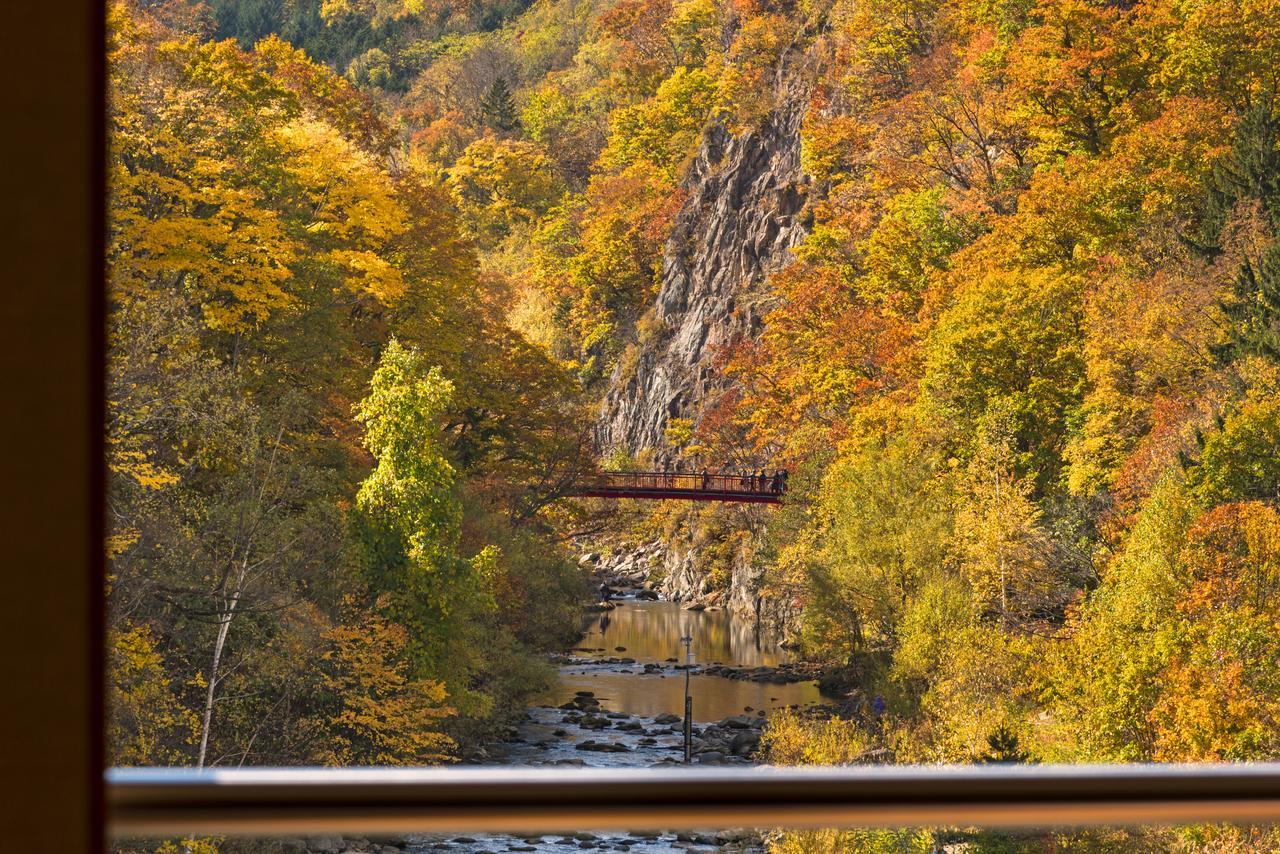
738 722
744 743
327 844
602 746
667 718
695 838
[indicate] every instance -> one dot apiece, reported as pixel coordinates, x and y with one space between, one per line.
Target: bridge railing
749 484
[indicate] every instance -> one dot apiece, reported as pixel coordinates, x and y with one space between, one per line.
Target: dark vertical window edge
96 287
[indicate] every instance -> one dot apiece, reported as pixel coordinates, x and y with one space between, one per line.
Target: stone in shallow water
602 746
744 743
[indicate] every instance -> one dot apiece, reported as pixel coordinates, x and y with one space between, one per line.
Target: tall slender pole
688 701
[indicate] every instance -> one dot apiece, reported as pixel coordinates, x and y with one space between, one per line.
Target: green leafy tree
409 525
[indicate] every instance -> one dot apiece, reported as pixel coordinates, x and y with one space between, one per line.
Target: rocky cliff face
744 212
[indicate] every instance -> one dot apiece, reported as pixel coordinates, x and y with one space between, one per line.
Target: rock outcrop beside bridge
747 208
675 572
744 213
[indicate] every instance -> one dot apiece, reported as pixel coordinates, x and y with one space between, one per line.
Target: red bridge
745 488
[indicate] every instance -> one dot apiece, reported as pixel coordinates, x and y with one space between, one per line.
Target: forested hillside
375 263
329 451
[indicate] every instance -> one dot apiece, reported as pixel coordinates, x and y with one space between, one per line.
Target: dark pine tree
498 106
1249 173
1003 748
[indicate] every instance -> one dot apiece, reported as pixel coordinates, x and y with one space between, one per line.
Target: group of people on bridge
758 482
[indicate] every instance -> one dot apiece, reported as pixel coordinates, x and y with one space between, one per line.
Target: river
615 704
649 633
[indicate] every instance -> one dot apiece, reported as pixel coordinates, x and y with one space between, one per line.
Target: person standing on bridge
760 480
706 479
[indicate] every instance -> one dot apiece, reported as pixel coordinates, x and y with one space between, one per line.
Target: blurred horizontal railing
163 801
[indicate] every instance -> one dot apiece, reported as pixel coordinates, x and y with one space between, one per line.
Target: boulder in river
602 746
667 718
744 743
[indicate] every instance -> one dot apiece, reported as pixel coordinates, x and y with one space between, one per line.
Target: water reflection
650 632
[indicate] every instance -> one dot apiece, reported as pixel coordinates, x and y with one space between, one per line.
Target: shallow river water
647 633
650 633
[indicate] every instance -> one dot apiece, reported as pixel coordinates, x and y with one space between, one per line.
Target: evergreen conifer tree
498 106
1251 172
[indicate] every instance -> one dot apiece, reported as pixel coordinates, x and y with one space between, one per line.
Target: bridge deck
680 486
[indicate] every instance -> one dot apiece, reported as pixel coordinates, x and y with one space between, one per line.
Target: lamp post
687 640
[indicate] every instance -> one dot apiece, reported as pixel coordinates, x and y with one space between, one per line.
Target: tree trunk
224 627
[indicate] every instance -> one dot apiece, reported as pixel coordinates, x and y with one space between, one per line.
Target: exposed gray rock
744 743
746 209
602 746
327 844
744 212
